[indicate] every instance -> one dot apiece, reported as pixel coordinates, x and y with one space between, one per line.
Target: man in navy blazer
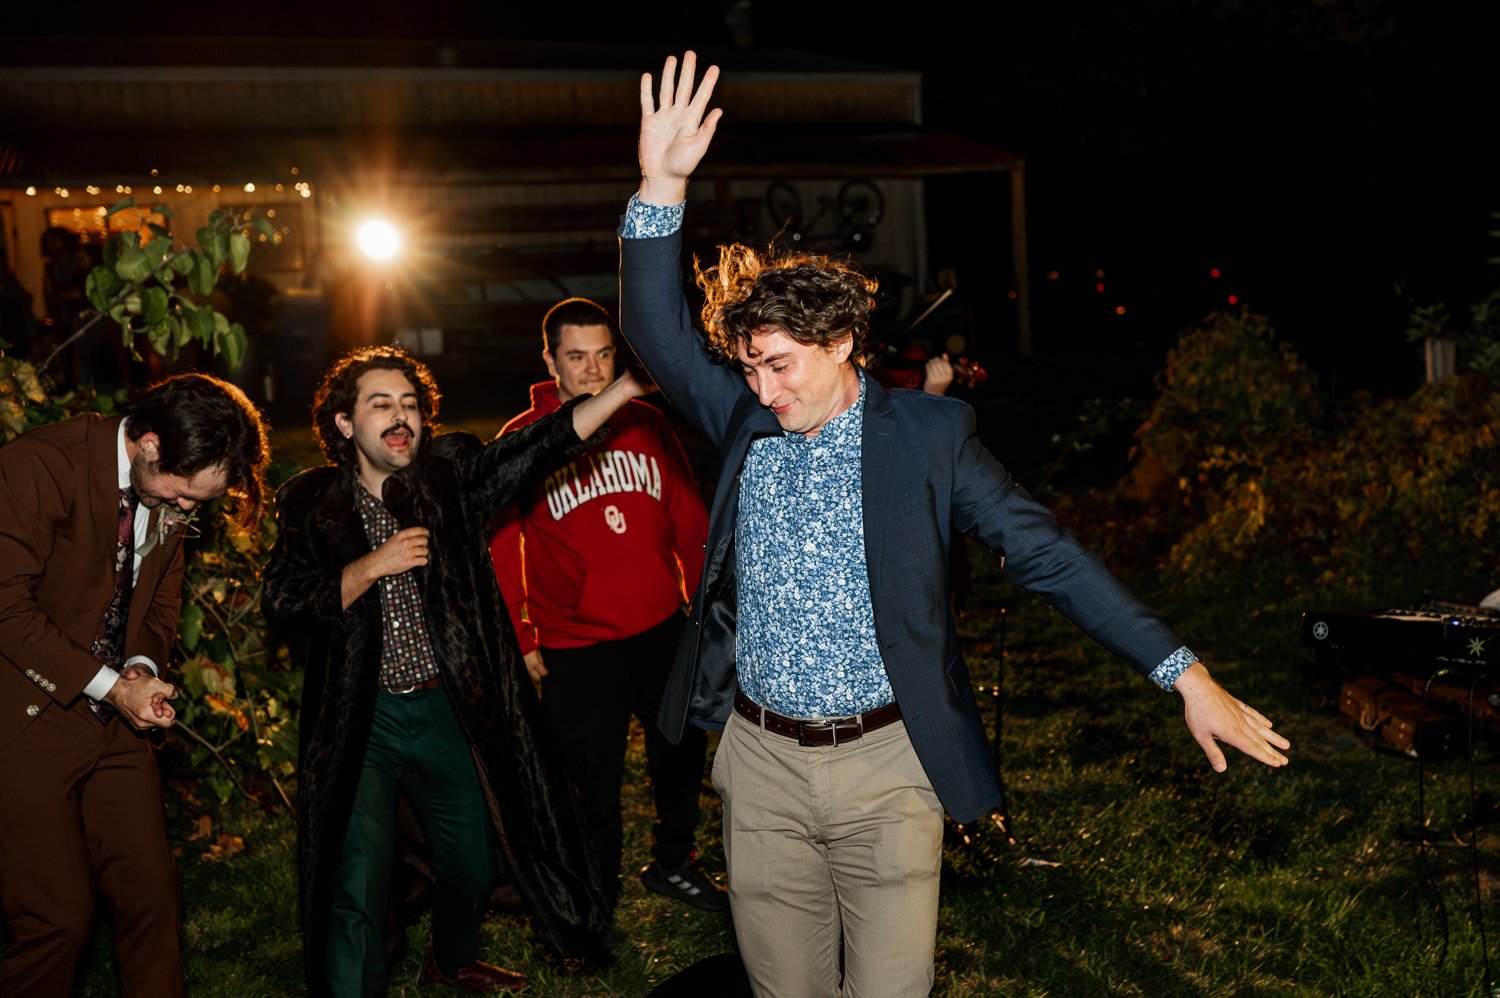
821 640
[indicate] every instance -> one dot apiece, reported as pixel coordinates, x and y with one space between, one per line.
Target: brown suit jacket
59 524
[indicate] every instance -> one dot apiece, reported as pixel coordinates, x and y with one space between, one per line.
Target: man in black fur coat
414 683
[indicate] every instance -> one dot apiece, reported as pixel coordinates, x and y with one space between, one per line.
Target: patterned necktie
109 644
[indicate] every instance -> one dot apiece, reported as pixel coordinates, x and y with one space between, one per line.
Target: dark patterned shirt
406 656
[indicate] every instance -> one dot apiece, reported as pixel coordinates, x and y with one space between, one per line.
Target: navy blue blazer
925 475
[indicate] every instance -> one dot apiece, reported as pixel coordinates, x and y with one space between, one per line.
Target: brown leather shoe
475 976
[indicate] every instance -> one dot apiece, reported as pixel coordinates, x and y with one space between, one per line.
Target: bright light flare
378 240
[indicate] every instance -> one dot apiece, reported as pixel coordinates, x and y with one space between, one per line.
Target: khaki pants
827 845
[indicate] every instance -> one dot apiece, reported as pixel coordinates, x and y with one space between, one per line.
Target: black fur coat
455 488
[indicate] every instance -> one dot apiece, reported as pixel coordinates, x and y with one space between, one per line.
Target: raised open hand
675 130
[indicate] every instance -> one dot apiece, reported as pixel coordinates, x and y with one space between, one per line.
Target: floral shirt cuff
1165 675
646 221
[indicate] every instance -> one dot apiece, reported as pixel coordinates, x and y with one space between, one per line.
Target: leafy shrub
237 720
1257 501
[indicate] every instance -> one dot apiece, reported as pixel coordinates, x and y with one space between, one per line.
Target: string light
302 187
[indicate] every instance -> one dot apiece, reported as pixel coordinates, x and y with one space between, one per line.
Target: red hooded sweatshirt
600 552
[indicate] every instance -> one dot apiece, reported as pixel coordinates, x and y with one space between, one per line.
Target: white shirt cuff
106 677
103 680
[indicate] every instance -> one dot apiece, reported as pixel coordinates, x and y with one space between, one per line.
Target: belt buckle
831 724
410 689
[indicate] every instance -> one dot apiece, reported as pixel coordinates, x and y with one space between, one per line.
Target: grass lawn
1136 870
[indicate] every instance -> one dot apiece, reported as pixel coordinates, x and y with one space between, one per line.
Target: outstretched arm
675 129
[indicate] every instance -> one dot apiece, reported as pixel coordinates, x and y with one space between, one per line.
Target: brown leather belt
832 731
426 684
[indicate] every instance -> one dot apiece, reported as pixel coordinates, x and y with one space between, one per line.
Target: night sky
1331 158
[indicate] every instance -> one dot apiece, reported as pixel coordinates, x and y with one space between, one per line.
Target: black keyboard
1455 636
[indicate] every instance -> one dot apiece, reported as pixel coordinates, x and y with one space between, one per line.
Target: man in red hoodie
592 569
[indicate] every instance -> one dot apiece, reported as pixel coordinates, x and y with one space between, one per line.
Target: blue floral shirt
775 662
805 636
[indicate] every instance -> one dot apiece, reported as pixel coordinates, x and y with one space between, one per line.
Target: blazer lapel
759 423
146 581
877 442
104 489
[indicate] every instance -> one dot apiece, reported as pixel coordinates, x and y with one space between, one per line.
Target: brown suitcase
1396 715
1458 698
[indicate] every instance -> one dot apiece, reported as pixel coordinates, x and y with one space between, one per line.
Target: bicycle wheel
784 206
861 205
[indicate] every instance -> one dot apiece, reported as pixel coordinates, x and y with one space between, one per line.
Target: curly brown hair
815 300
339 390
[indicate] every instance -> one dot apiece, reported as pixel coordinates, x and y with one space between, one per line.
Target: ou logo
614 519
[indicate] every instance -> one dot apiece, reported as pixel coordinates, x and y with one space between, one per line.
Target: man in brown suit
91 565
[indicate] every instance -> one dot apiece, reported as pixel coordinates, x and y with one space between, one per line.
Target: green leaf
133 264
202 321
234 346
101 286
154 306
159 230
160 336
205 274
165 211
119 314
221 324
209 246
182 331
182 262
263 224
239 252
120 206
112 252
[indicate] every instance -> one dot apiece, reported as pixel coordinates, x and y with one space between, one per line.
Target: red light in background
1119 310
1099 287
1053 275
1011 293
1215 273
1234 299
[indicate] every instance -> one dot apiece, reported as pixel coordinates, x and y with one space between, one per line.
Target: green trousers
417 747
